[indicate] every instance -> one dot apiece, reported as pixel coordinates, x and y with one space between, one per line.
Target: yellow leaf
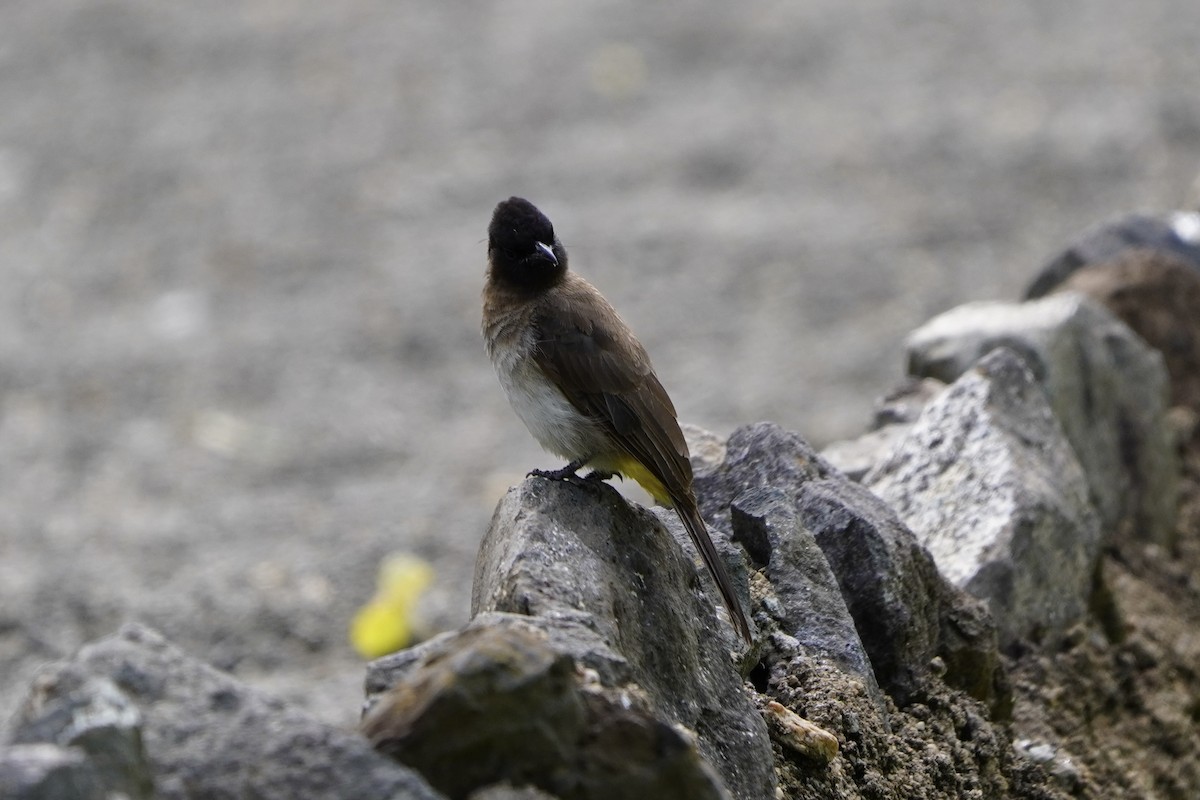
385 624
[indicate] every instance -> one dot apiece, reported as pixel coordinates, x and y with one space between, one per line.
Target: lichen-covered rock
204 733
1107 387
991 486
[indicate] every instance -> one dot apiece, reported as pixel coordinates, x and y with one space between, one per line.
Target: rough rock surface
806 602
990 485
907 613
890 582
947 742
894 592
580 553
134 701
583 563
505 701
1106 386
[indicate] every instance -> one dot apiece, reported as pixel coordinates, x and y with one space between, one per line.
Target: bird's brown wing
605 373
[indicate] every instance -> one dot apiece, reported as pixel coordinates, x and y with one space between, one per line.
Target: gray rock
758 455
990 485
1106 386
499 701
583 558
890 583
706 448
550 567
574 637
904 611
91 713
1177 234
807 603
48 772
204 733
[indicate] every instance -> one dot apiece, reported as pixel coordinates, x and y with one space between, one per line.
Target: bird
580 380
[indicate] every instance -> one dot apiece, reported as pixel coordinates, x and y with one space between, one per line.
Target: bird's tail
690 515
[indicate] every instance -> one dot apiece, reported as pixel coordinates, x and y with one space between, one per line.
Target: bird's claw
564 474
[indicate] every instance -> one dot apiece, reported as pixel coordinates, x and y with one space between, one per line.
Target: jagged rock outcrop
591 618
988 481
1107 388
803 599
904 611
580 554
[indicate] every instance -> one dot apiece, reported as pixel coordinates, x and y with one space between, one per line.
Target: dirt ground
241 246
1119 706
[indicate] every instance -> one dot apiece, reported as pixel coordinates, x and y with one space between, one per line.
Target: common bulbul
580 380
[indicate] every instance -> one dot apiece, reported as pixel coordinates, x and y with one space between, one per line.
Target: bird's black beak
547 251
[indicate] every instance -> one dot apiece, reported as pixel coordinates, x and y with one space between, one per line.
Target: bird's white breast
554 422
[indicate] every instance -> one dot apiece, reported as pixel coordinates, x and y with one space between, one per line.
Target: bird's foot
598 476
564 474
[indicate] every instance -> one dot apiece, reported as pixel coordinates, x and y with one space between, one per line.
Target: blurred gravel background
242 244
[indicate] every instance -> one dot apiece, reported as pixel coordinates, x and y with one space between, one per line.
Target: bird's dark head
522 248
